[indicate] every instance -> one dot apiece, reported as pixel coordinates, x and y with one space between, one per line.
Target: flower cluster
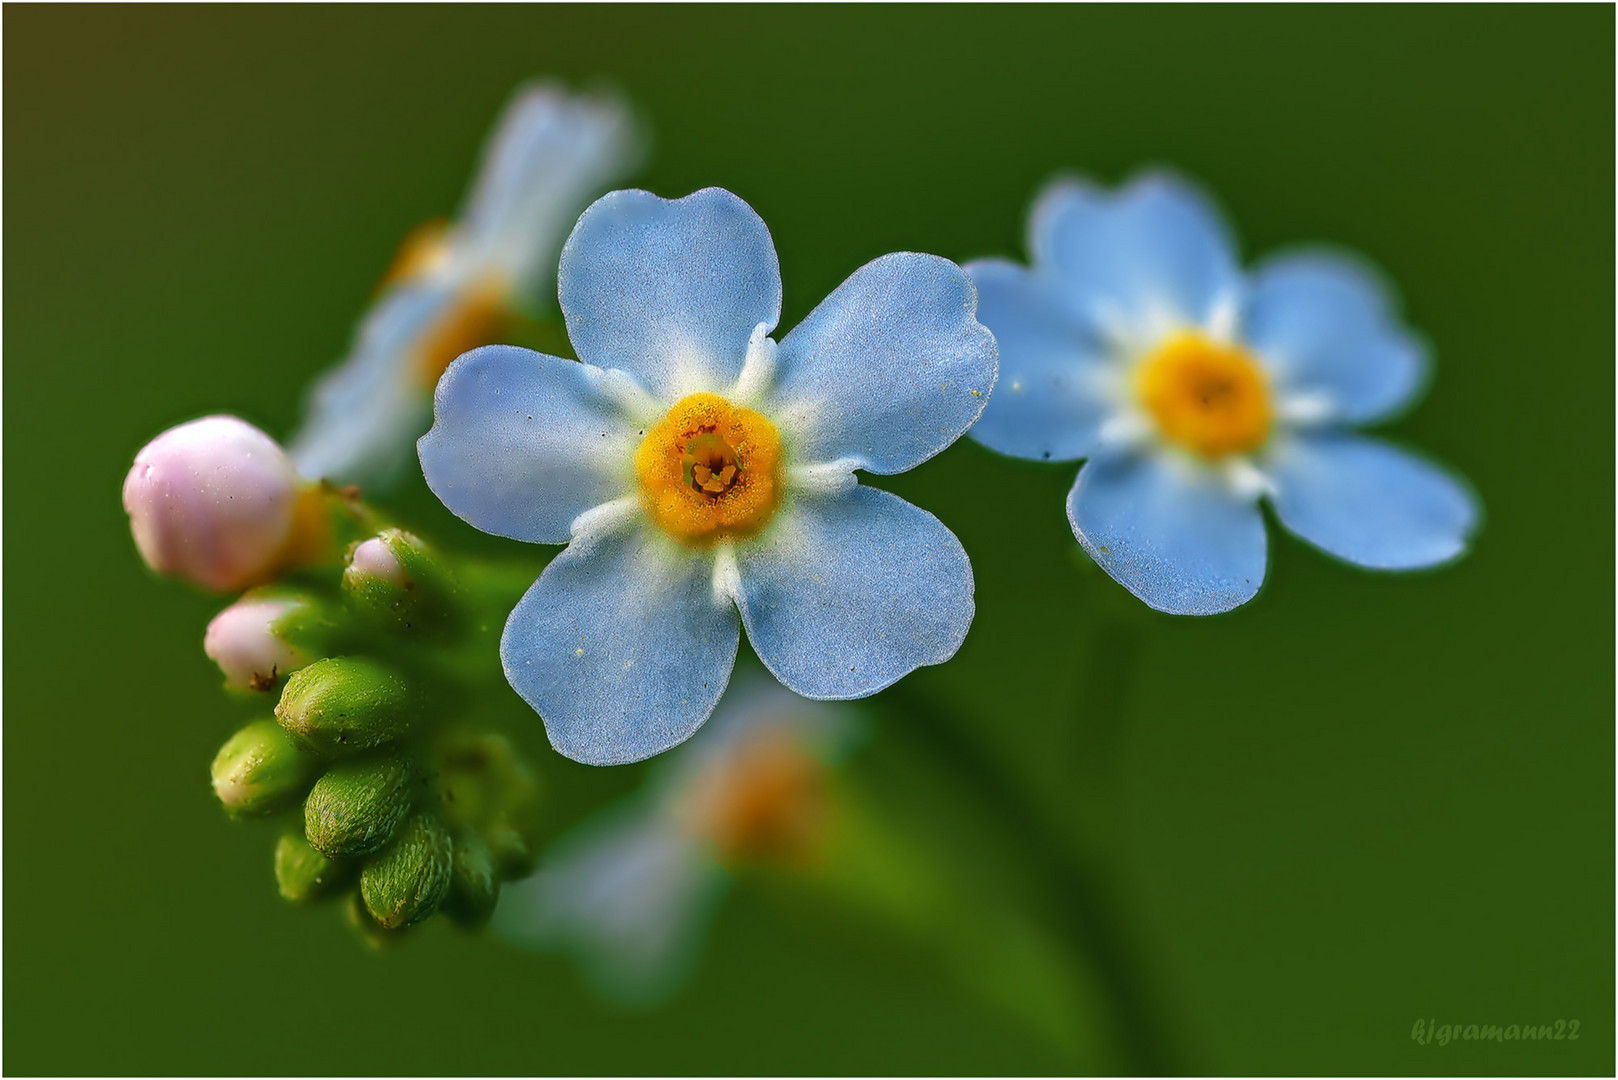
701 474
381 787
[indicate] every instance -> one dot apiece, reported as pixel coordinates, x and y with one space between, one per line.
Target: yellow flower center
1207 396
710 470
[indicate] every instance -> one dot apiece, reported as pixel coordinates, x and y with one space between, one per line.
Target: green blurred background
1360 801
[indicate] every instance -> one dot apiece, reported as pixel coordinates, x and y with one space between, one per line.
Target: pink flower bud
212 501
373 559
244 641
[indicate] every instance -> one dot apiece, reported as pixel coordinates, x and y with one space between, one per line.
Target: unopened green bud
474 886
355 808
301 872
487 787
259 770
369 930
409 878
345 704
398 578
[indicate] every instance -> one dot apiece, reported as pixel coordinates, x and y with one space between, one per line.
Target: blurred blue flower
696 468
631 891
457 285
1195 390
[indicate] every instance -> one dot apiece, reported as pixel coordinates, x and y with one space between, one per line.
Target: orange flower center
422 250
767 803
710 470
1209 397
477 317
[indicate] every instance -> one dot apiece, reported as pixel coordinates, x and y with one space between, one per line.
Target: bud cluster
382 794
380 799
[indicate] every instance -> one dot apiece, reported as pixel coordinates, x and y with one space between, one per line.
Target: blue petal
890 368
669 290
1367 502
1325 325
1170 533
848 593
551 152
364 414
522 443
1154 250
621 647
629 892
1049 404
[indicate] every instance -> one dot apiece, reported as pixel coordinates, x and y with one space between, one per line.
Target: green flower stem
921 896
1082 906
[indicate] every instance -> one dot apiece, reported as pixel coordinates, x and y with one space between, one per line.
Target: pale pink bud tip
373 559
213 502
242 640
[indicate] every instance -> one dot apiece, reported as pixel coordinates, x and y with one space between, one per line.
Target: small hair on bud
249 643
345 704
371 932
259 770
214 502
406 882
357 805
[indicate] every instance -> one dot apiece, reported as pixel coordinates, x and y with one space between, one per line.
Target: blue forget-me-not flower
698 469
457 285
1195 390
630 892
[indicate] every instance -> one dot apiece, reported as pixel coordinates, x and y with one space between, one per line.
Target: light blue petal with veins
522 443
1169 532
890 368
1368 502
1325 325
1049 403
1153 253
621 646
847 593
669 290
551 153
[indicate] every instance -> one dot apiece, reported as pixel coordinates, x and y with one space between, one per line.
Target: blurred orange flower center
766 803
710 470
1210 397
478 315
